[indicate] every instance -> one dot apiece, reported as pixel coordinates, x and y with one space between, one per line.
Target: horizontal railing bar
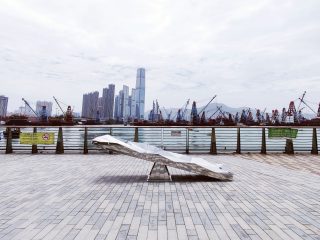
168 127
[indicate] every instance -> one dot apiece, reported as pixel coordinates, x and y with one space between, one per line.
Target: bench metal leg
159 172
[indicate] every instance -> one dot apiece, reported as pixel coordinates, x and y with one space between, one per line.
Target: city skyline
122 106
249 53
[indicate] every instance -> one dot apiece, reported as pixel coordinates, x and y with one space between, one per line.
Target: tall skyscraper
108 102
90 105
120 104
48 105
100 106
122 107
126 107
140 93
132 103
3 106
116 108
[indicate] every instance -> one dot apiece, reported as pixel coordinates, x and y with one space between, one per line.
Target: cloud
259 53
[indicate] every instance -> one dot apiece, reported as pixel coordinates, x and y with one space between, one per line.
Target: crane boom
301 100
207 105
59 105
185 109
218 108
26 102
168 114
307 105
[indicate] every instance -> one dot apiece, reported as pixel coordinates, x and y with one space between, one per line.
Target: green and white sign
282 133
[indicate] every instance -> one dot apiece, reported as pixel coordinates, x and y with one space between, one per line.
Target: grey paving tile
107 197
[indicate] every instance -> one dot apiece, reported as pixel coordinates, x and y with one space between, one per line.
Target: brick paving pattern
107 197
301 162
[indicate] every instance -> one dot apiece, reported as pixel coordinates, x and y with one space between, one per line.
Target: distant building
132 103
48 105
120 110
90 105
100 107
3 106
140 93
108 102
122 107
117 108
126 107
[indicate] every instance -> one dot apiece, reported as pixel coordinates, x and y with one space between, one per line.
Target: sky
255 53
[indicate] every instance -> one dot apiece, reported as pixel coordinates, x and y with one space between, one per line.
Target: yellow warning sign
37 138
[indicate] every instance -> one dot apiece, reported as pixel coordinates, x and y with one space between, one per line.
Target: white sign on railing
175 133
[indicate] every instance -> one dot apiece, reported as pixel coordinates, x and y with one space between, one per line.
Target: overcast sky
257 53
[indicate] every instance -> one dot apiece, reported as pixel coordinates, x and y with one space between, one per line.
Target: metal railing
187 139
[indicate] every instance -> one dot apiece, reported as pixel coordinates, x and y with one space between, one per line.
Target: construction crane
26 102
301 99
168 115
222 112
218 109
184 110
59 105
207 105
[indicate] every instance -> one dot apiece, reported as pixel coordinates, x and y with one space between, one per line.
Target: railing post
60 147
9 141
213 146
85 141
263 142
238 141
34 146
162 138
136 134
289 147
314 142
187 141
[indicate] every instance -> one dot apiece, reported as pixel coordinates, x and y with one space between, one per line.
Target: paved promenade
100 196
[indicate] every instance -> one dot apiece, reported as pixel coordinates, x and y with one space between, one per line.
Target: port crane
59 105
27 103
303 101
185 110
204 108
43 113
68 114
182 112
218 109
168 115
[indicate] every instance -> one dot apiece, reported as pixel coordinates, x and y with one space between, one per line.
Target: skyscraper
122 107
140 93
90 105
116 108
100 106
120 110
126 107
132 103
108 102
3 106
